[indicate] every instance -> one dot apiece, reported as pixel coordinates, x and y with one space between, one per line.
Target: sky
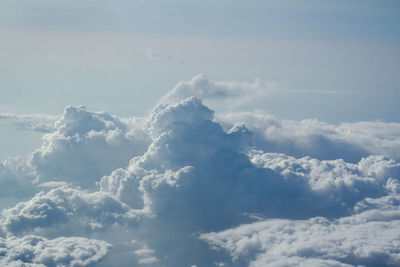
199 133
122 56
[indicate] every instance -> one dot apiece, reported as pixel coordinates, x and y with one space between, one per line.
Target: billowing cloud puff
85 146
37 251
66 211
194 155
193 163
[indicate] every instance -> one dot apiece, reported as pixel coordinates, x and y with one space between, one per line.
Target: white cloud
34 250
146 255
33 126
310 137
329 174
30 122
220 95
229 95
195 177
87 145
316 241
66 211
35 116
15 178
167 178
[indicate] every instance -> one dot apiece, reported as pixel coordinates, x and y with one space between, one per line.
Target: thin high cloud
36 116
31 122
184 186
228 95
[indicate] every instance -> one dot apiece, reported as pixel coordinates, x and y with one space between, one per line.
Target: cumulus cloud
85 146
182 187
196 177
66 211
37 251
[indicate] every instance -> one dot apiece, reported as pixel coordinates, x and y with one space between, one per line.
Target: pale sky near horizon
123 56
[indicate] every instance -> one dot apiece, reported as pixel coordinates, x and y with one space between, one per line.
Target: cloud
329 174
35 116
85 146
195 177
34 250
33 126
15 178
369 238
30 122
219 94
230 95
181 187
310 137
66 211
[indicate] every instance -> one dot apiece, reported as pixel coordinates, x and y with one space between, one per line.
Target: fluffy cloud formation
37 251
85 146
195 177
342 180
181 188
192 162
310 137
65 210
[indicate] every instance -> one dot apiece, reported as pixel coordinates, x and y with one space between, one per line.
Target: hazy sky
122 56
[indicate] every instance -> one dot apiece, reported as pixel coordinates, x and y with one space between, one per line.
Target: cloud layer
183 187
368 238
310 137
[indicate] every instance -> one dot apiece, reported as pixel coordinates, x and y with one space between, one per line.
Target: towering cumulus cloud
182 187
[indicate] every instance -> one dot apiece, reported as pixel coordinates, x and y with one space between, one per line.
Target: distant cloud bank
187 186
